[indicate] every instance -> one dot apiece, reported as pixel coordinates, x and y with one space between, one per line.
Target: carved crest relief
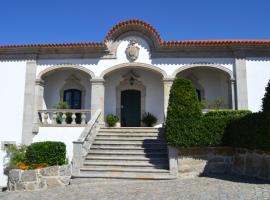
132 51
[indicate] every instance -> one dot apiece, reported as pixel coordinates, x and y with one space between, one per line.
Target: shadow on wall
237 165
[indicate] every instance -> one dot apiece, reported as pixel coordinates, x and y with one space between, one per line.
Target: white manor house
127 75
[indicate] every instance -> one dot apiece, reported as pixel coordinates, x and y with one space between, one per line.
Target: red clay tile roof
85 44
153 31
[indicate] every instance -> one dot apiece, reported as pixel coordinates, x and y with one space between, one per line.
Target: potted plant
111 120
62 105
149 119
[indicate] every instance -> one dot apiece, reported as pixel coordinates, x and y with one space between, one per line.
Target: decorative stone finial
132 51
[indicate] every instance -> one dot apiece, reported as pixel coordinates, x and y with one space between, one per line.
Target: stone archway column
38 103
167 84
97 97
233 93
240 74
29 98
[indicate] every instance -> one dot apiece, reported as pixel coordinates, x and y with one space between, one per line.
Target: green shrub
148 119
253 130
214 124
111 119
266 100
51 153
183 115
186 126
17 155
242 132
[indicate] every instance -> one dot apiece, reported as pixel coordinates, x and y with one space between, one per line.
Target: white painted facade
216 75
11 105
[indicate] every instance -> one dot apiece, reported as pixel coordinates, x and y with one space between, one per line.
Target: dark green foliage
111 119
17 155
242 132
183 115
266 100
186 126
148 119
253 130
51 153
214 124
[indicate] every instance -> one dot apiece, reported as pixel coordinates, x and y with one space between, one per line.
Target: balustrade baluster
45 118
64 117
83 119
54 116
73 118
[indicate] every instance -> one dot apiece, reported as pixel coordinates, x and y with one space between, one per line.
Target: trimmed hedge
51 153
186 126
183 115
253 130
214 123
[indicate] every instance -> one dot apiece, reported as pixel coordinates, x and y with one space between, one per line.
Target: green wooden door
131 108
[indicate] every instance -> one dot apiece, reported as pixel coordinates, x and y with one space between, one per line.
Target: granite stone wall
223 160
39 179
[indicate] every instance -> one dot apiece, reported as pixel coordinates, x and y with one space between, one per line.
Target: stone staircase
130 153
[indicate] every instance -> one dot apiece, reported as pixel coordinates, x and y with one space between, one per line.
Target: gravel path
198 188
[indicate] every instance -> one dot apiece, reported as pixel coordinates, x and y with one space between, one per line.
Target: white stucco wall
11 105
169 65
54 83
258 75
62 134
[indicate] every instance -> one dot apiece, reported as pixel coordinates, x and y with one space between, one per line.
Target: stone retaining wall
223 160
38 179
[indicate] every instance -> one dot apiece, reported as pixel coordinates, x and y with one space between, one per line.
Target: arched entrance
130 92
213 85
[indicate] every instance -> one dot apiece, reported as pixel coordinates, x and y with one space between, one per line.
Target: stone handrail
82 145
64 117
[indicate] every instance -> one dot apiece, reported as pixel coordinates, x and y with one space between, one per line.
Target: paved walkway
197 188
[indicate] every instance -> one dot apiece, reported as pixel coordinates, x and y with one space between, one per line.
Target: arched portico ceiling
56 68
214 66
134 65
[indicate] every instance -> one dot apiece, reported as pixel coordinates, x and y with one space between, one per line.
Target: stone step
158 165
128 137
124 153
127 175
126 158
121 169
129 142
129 149
127 130
128 146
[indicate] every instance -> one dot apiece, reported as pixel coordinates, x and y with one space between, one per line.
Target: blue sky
59 21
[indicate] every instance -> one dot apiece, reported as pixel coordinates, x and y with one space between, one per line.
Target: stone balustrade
64 117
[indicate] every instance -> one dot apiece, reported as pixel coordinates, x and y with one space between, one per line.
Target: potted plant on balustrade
62 105
112 120
149 119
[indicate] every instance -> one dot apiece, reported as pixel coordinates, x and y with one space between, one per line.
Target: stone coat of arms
132 51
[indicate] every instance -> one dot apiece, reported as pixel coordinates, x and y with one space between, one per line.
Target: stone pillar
97 96
29 94
39 92
167 84
233 93
241 83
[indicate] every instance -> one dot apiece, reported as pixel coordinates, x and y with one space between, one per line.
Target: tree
183 115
